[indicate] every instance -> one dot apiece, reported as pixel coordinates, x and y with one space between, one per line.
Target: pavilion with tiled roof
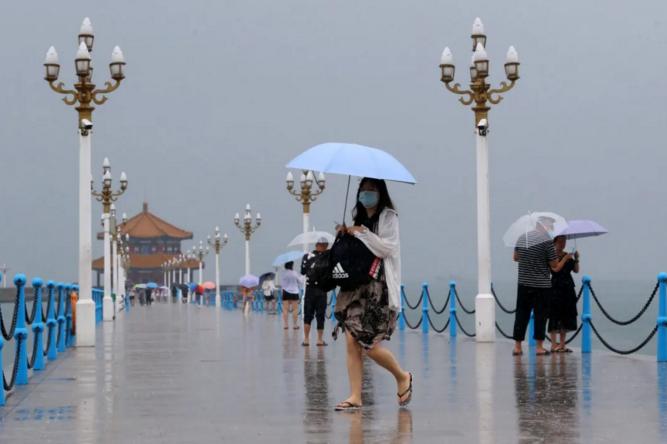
153 241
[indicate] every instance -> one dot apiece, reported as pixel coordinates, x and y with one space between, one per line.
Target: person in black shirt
537 258
315 299
563 306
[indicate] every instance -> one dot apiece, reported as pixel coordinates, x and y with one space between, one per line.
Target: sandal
408 392
296 327
543 353
565 350
346 406
517 353
305 344
322 344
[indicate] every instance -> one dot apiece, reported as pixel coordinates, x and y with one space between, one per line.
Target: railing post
452 309
38 325
531 329
425 297
61 317
662 318
586 316
401 312
21 332
51 353
333 305
279 308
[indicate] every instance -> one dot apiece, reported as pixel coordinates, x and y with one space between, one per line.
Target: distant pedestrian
537 258
268 290
291 283
315 298
563 307
369 299
199 294
247 295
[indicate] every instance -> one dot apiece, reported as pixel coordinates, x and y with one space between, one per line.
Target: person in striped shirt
537 258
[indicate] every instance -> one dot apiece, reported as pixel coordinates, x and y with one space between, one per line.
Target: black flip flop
305 344
408 392
323 344
516 353
544 353
347 406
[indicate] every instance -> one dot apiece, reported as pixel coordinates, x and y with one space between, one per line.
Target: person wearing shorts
291 283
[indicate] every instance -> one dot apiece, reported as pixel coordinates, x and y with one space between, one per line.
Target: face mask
369 199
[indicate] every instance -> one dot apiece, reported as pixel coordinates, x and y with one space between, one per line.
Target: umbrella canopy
576 229
208 285
164 288
352 160
287 257
524 232
267 277
139 286
311 237
192 286
151 285
249 281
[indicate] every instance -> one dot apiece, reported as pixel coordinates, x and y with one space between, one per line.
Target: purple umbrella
576 229
249 281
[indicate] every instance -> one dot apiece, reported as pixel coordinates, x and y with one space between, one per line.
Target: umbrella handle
347 193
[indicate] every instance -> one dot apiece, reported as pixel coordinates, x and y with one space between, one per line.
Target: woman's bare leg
554 343
295 313
386 359
285 313
354 369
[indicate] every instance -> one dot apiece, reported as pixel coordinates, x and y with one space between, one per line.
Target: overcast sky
220 95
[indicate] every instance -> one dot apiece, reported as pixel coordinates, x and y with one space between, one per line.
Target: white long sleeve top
291 281
386 245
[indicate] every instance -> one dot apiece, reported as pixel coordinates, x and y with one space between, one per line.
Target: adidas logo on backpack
339 273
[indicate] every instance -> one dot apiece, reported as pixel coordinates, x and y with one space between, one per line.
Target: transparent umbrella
310 238
534 228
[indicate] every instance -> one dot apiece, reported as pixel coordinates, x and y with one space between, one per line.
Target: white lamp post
218 242
107 196
83 97
247 228
481 96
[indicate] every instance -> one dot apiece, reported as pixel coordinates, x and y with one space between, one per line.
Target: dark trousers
315 306
531 299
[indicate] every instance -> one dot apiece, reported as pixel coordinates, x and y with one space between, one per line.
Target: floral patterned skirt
365 313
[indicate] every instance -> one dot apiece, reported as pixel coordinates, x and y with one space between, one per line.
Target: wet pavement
183 374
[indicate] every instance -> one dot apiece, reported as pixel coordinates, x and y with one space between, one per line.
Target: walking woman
291 283
367 313
563 307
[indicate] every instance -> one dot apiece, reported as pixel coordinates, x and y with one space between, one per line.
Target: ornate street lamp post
82 97
107 197
200 253
247 229
481 96
218 242
306 194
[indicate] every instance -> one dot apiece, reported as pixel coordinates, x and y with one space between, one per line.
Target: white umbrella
311 237
534 228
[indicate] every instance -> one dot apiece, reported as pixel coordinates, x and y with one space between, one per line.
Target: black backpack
317 269
352 262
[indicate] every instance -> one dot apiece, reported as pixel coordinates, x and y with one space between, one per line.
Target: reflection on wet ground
181 374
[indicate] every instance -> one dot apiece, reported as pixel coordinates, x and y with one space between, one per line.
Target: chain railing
586 328
57 325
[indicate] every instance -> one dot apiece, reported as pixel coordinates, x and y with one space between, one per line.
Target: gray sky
221 94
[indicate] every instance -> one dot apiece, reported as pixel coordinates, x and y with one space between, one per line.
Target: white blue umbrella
151 285
576 229
352 160
284 258
249 281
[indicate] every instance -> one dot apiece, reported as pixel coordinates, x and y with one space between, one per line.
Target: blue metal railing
587 327
53 327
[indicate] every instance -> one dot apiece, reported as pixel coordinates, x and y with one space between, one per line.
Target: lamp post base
485 318
107 308
85 323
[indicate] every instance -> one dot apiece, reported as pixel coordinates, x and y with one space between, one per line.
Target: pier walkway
176 373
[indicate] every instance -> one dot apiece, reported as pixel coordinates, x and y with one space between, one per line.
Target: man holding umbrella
536 255
315 299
